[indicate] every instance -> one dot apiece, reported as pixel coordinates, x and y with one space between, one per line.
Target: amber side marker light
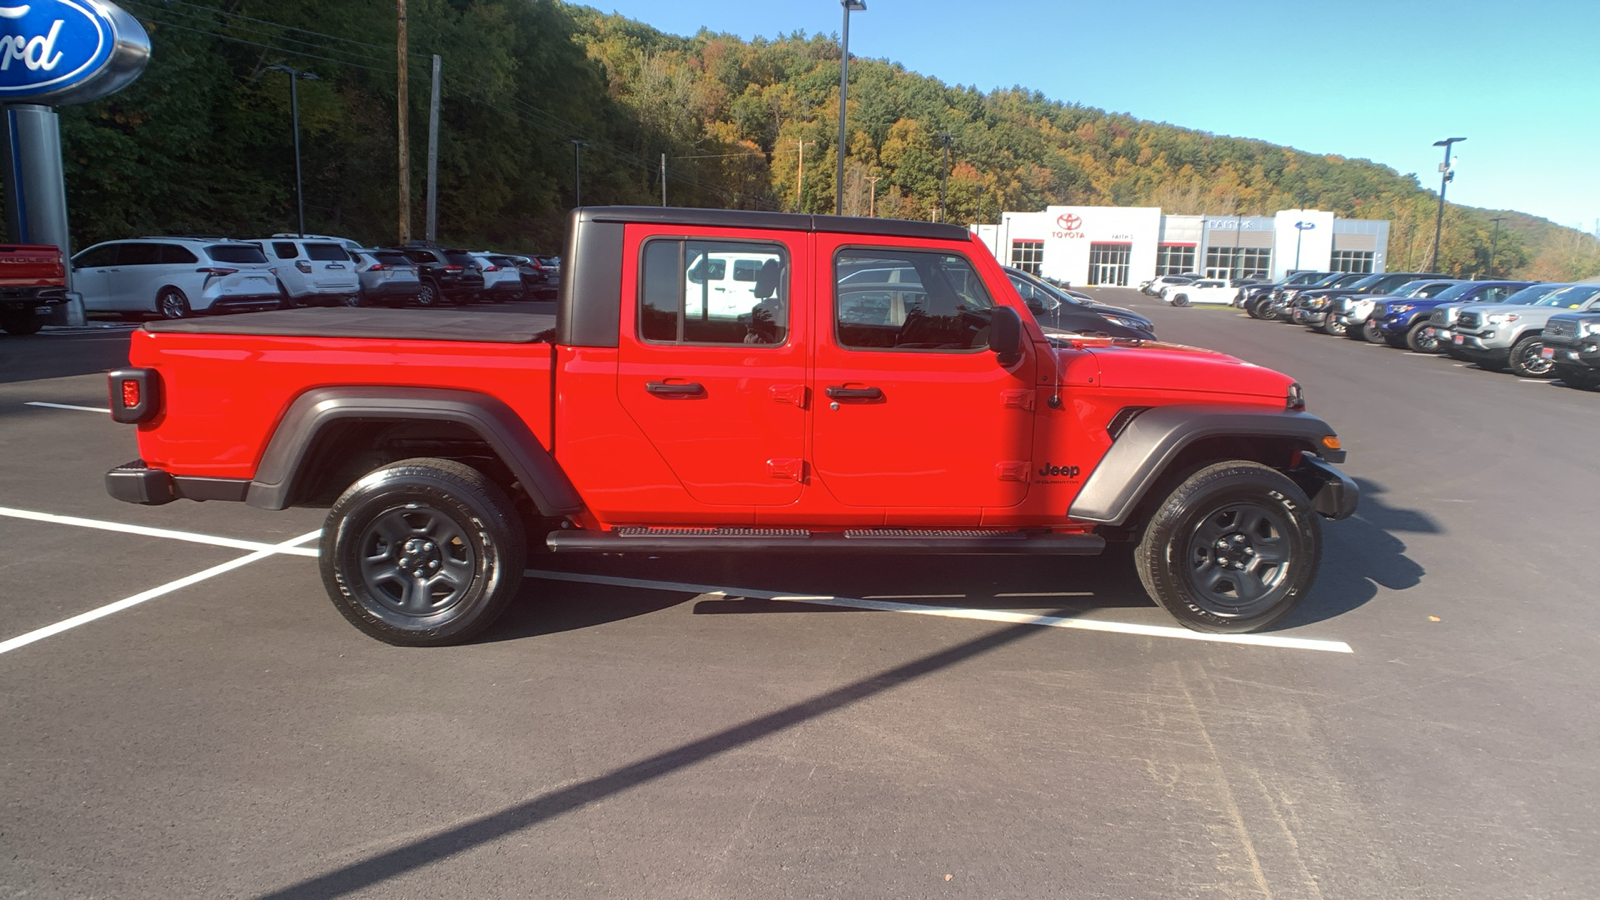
1331 442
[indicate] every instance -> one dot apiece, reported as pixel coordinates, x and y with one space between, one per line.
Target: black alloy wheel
1421 338
1372 332
1527 359
422 552
1336 327
172 304
1232 549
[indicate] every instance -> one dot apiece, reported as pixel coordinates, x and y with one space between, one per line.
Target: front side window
908 300
713 292
96 257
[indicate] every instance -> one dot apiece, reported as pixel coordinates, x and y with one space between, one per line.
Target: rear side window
392 259
908 300
285 249
683 299
139 255
460 258
327 253
236 253
421 257
176 254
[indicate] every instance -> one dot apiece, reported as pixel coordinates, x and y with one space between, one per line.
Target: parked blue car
1404 322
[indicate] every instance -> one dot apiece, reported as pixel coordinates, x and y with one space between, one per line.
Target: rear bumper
16 299
508 289
135 482
1333 495
405 290
245 303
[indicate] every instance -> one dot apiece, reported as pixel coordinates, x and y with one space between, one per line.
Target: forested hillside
202 143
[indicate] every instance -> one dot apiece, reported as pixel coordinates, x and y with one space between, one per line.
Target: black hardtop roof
739 218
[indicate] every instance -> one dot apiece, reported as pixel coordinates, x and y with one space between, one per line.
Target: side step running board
799 540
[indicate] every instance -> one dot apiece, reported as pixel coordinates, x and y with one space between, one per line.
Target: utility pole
403 101
1494 245
433 154
946 137
1444 179
850 6
294 101
800 175
577 171
663 179
872 196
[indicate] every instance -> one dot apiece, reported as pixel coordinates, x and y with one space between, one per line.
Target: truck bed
388 324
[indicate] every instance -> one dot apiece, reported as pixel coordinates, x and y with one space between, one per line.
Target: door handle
839 392
662 389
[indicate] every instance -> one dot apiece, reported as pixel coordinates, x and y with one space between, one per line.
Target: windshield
1573 297
1530 296
1413 288
1330 280
1304 278
1456 290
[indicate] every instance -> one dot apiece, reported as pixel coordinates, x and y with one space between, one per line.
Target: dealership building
1118 245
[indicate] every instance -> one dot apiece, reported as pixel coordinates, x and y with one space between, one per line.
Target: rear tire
422 552
1525 359
429 295
22 323
1232 549
172 304
352 300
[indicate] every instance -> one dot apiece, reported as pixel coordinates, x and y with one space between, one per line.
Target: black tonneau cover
484 326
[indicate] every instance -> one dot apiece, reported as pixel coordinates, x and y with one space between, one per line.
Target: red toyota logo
1069 222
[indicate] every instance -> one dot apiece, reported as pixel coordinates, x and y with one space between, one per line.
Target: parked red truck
32 279
721 381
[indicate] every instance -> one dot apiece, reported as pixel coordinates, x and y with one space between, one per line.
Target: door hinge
793 469
790 393
1017 399
1012 471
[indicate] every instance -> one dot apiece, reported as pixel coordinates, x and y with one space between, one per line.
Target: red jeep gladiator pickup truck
723 381
32 279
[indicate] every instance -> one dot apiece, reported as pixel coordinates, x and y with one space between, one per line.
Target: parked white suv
175 277
500 282
314 271
1206 290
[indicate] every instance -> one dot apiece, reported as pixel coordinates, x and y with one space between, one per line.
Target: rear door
720 393
913 409
332 272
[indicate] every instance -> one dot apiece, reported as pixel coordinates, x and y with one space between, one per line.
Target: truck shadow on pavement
1362 555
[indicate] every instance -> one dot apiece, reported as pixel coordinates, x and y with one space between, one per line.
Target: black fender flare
1144 449
489 417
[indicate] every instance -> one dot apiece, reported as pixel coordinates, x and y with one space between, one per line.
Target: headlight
1403 307
1586 329
1505 319
1126 323
1365 307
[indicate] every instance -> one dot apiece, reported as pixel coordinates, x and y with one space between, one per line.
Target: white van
174 277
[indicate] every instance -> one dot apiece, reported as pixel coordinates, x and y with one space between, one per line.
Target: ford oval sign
67 51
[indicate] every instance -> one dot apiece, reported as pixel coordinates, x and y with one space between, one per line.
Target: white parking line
100 613
983 615
191 537
93 409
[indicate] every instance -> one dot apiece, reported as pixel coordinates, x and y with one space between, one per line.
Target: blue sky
1359 78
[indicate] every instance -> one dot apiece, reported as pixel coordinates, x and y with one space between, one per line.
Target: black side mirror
1005 335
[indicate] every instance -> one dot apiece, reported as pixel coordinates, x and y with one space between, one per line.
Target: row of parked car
1533 329
178 276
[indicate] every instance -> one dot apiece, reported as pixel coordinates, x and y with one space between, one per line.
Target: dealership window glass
1172 259
1027 256
714 292
1351 261
1238 262
904 300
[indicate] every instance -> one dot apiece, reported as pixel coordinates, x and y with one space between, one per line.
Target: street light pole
872 198
1444 179
844 91
1494 245
577 171
944 176
294 102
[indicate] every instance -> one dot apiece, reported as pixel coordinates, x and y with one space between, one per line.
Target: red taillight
452 268
303 266
376 267
130 393
217 270
491 268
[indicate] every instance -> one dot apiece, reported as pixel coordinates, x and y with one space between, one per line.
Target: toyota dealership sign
54 52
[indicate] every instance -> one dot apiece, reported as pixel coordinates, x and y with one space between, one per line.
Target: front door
913 409
718 386
1108 264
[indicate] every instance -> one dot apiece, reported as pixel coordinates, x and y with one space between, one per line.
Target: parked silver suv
1496 336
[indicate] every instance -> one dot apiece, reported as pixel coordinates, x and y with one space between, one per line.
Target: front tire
1580 377
1231 550
1337 328
1180 300
1526 360
422 552
1421 340
172 304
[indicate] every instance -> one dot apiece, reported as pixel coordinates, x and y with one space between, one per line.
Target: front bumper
1311 317
1584 352
1476 343
1333 494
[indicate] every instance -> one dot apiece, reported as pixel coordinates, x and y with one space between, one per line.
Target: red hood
1175 367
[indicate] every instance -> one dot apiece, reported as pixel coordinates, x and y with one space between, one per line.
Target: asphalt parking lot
979 728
